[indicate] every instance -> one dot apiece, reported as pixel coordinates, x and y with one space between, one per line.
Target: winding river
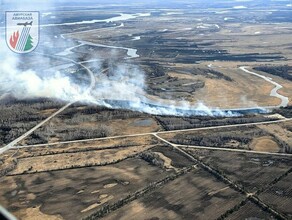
132 53
120 17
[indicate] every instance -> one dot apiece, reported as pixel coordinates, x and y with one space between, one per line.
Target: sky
40 4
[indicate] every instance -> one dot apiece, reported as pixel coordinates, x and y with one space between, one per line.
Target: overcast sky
46 4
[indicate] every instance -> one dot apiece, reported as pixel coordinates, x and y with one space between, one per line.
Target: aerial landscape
146 110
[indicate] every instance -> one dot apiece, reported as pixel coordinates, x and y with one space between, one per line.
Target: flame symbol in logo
14 39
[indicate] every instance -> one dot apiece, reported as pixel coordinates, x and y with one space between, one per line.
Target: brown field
77 159
279 196
243 91
253 172
79 154
195 195
265 144
55 193
87 145
281 131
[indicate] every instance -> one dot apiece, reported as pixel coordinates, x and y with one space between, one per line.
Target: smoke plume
123 88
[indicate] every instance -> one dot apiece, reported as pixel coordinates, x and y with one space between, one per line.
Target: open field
55 193
93 184
195 195
252 172
71 160
47 166
66 156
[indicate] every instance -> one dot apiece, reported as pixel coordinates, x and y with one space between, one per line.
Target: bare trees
282 71
18 116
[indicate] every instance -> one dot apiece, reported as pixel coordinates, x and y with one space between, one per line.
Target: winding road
274 92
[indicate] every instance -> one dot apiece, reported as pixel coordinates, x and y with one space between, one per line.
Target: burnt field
252 172
182 52
279 195
287 112
178 123
84 122
249 210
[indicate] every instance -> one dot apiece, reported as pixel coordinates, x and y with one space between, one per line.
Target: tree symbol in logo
29 43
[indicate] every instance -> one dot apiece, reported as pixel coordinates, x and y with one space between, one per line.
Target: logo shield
22 30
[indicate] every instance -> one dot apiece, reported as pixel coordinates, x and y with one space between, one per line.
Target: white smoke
123 87
126 83
28 84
